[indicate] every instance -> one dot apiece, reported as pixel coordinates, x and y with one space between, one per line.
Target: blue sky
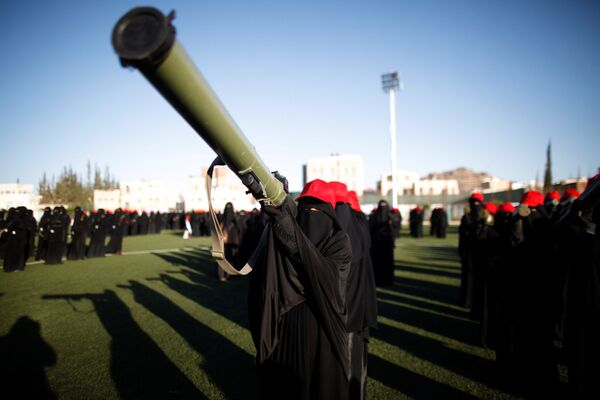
487 85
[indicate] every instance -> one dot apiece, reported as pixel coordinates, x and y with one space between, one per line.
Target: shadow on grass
221 358
431 290
441 308
463 331
423 268
229 299
443 254
24 355
464 364
138 367
412 384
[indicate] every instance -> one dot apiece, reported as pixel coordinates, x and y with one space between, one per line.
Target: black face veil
317 220
383 211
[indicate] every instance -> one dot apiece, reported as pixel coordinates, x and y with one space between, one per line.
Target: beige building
435 187
410 184
494 184
345 168
148 195
469 180
107 199
405 181
18 194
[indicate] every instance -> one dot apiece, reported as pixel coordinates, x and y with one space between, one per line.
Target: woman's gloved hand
283 223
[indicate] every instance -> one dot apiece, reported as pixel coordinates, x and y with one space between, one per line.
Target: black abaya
582 321
382 245
16 246
44 228
79 233
56 237
116 224
98 236
361 299
297 313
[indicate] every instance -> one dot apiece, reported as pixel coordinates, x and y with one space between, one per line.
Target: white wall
148 195
107 199
16 195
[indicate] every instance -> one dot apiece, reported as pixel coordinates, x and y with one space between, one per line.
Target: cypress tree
548 171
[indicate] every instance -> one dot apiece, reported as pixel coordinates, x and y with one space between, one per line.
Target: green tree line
70 188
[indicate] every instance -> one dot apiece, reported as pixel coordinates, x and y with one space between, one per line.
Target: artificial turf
156 323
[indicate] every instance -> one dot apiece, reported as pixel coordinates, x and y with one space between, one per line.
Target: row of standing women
85 235
531 277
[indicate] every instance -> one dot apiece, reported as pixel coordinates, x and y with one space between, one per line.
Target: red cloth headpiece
553 195
507 208
490 207
533 198
341 192
477 196
318 189
353 200
571 193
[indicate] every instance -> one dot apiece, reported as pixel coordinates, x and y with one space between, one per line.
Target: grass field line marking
433 371
422 299
449 342
160 251
138 252
426 310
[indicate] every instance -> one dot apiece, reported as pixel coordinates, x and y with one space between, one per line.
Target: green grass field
155 323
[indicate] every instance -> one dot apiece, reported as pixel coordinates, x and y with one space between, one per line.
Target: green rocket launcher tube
144 38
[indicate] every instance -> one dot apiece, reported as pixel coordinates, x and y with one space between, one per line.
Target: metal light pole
391 83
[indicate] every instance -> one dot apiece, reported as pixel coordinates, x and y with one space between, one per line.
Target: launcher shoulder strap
216 234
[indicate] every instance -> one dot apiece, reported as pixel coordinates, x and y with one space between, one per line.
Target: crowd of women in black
312 294
82 234
17 237
531 277
312 298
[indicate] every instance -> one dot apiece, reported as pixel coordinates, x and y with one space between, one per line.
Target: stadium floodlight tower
391 84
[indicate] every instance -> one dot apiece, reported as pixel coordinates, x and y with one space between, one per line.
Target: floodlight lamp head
390 81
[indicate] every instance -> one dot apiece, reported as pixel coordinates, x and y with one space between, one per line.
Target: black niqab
315 222
382 213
